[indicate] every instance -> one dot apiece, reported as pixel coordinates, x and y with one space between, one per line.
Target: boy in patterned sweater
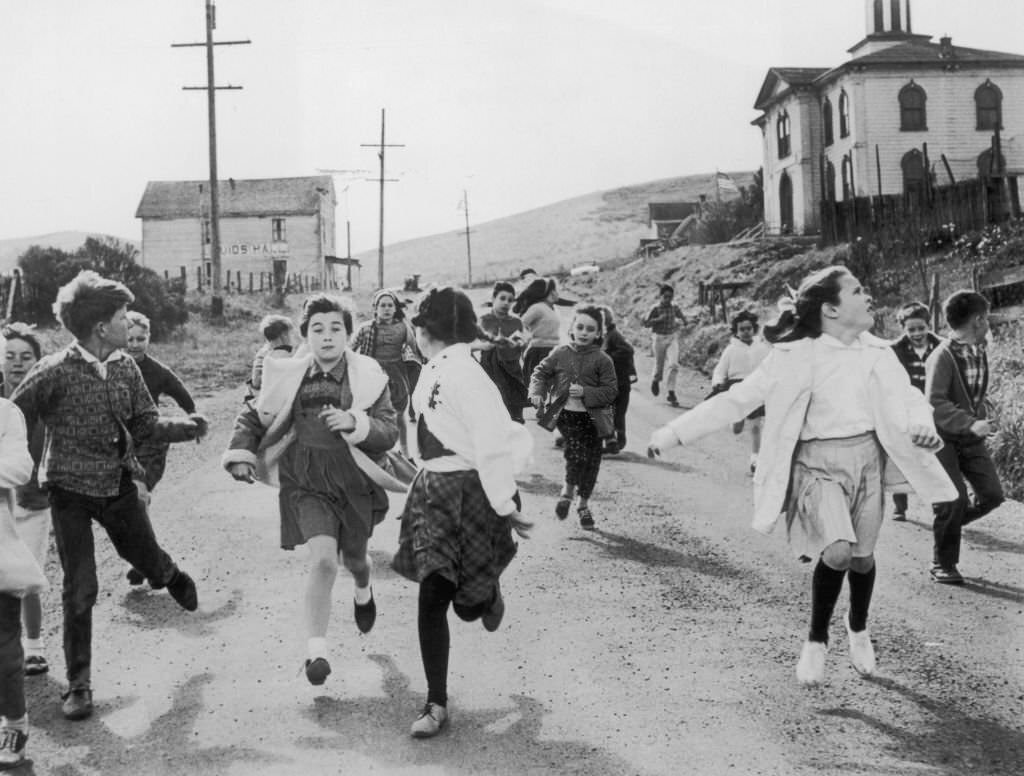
93 403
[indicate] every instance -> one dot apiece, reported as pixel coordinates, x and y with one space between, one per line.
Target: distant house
287 221
665 217
887 121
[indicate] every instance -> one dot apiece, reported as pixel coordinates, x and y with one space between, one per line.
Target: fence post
250 283
199 279
184 279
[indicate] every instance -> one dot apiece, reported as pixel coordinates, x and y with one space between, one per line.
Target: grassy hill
596 227
12 248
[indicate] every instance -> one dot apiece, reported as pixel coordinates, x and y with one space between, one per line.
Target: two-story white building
900 109
287 220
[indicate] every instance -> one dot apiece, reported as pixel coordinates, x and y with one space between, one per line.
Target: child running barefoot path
576 384
320 420
839 409
456 535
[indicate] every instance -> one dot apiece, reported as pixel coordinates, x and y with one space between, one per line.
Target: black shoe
586 518
612 448
946 575
77 703
317 671
671 397
491 619
655 387
135 577
366 614
12 748
899 517
183 590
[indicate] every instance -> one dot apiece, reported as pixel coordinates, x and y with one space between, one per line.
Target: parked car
588 268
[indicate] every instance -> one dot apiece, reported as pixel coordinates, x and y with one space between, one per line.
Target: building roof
670 211
253 197
781 80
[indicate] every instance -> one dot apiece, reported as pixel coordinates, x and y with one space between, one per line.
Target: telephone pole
380 154
469 253
217 301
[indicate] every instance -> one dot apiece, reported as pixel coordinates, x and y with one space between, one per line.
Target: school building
903 114
272 225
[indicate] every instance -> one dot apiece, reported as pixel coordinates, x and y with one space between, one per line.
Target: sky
519 104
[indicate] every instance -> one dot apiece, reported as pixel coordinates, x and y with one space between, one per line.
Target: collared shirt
973 364
665 318
839 404
99 366
338 372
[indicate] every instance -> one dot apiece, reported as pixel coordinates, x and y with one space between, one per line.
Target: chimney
946 47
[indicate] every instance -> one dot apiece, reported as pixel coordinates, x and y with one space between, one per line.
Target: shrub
1006 365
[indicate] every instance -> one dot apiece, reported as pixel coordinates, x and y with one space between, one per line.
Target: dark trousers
582 450
12 659
436 593
621 405
964 463
127 524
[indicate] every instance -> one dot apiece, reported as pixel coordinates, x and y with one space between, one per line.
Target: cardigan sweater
160 380
913 363
92 423
947 391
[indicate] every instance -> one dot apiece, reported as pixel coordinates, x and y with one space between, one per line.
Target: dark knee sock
436 593
826 585
861 587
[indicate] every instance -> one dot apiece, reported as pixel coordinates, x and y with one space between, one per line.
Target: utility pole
380 154
217 301
469 253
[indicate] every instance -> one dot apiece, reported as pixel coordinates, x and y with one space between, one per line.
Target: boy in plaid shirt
94 405
666 321
956 381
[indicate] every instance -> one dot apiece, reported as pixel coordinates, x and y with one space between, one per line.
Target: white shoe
430 721
862 652
810 670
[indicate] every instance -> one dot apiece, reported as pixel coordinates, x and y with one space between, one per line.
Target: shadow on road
953 742
994 589
986 541
620 547
154 609
500 740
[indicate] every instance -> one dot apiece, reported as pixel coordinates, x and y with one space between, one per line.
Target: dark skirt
398 383
449 527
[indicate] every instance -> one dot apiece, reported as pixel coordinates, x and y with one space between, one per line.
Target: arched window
913 116
988 101
785 204
782 130
844 114
826 120
914 174
830 182
847 173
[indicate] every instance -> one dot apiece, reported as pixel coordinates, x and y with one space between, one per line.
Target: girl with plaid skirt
839 411
321 423
576 384
456 535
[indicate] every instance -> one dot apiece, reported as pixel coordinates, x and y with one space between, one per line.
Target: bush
1006 366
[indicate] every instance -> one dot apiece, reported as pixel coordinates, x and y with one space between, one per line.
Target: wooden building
273 225
901 114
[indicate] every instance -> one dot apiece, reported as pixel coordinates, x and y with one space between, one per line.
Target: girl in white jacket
840 411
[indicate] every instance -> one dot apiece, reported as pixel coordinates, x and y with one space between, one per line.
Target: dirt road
664 642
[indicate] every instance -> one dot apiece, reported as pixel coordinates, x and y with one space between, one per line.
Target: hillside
551 239
12 248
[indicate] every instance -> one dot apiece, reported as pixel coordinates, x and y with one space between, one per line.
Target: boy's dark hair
537 291
447 315
740 317
663 287
25 333
527 271
962 305
592 311
802 316
274 326
913 309
502 285
89 299
324 303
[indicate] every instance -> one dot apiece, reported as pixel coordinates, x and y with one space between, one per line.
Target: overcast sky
521 103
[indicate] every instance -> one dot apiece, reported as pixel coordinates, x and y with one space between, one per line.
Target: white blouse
839 394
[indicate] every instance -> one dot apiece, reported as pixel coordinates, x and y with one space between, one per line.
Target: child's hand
202 425
338 421
924 436
243 472
983 428
576 390
633 379
521 526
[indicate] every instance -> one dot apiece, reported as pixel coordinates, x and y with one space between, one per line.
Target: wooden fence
238 282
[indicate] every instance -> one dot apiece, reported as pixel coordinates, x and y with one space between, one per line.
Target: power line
380 153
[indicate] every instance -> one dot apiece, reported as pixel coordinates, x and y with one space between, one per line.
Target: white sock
34 646
363 595
20 724
316 647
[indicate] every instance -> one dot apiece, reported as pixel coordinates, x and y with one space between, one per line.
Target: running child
320 425
622 355
22 350
386 338
536 306
15 470
666 322
456 536
278 342
956 383
501 351
839 408
94 405
575 386
740 357
913 349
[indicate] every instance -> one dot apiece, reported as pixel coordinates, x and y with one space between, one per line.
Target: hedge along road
664 642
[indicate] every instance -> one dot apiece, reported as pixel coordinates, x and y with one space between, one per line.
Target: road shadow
986 541
155 609
950 740
492 741
994 589
167 746
628 456
620 547
539 485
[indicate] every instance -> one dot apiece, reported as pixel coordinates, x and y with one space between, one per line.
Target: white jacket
783 384
15 460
